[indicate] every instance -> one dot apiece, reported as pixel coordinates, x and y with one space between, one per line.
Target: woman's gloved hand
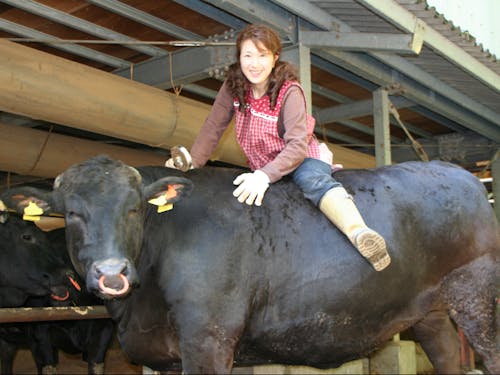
252 187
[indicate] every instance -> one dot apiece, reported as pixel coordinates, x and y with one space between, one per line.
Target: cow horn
4 214
57 181
136 173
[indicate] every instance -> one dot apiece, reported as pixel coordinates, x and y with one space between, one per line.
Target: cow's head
30 265
104 203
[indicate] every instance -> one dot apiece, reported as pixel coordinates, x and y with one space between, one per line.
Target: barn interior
388 81
400 64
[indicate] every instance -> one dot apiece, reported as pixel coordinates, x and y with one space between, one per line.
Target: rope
415 144
177 91
323 132
41 150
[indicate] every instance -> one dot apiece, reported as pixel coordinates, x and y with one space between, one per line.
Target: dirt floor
116 363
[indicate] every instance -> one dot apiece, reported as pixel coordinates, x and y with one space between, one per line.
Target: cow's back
303 285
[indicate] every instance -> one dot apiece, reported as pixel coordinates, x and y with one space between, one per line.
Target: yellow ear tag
31 218
158 201
33 209
162 204
3 207
165 207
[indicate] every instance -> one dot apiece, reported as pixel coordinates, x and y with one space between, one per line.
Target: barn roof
446 88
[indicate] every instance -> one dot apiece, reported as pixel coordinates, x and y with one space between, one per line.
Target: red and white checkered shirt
257 129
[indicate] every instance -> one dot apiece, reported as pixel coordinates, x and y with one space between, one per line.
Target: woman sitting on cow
275 132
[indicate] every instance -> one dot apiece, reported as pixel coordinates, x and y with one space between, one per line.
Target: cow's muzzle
114 285
112 278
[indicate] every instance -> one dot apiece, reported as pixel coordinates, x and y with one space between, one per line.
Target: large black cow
222 282
38 252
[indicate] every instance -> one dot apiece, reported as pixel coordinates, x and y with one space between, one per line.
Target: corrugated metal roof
436 65
362 19
453 32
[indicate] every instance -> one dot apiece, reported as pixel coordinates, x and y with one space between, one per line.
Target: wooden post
396 357
33 314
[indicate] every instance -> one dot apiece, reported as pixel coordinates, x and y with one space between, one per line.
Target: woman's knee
314 179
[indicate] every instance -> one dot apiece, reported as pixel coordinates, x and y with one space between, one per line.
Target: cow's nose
112 267
113 276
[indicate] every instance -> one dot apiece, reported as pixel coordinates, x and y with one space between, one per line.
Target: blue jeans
314 178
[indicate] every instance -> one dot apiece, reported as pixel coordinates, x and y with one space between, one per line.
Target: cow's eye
71 215
26 237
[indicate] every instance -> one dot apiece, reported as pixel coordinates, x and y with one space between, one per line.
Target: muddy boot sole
372 246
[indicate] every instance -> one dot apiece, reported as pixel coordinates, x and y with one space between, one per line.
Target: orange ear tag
171 192
162 200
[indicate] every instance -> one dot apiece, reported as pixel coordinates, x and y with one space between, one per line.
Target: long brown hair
283 71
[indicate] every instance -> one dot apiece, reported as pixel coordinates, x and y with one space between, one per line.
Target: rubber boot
338 206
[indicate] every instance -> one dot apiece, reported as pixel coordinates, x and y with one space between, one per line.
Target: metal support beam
144 18
365 42
80 24
368 67
355 110
336 70
88 53
181 67
300 56
382 130
259 12
495 186
214 13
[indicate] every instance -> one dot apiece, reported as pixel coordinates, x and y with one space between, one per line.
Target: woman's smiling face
256 62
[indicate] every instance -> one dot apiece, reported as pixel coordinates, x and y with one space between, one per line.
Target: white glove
252 187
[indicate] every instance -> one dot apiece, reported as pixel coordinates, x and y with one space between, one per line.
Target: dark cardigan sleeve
213 128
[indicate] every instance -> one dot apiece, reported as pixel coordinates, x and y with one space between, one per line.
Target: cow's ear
28 201
168 190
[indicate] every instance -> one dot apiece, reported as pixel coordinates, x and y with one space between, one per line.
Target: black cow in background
90 337
29 266
222 281
29 269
